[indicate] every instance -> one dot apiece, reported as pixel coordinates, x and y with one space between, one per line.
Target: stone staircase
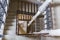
10 26
10 29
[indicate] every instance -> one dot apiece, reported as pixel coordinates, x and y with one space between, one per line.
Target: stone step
10 20
11 17
8 27
9 37
11 28
11 23
11 13
9 32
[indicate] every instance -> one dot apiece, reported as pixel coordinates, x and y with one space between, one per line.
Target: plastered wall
56 16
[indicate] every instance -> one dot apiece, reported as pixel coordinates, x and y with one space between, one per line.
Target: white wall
57 21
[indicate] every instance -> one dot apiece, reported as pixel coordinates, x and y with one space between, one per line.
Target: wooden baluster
24 16
31 7
28 11
34 8
28 7
23 6
29 17
25 11
21 10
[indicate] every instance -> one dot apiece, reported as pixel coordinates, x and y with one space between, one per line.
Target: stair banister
40 10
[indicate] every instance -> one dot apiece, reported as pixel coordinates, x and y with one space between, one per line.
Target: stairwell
10 26
10 29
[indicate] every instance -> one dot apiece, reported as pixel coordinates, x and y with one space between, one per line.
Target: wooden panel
22 29
24 17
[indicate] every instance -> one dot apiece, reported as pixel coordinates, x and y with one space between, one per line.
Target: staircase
10 27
